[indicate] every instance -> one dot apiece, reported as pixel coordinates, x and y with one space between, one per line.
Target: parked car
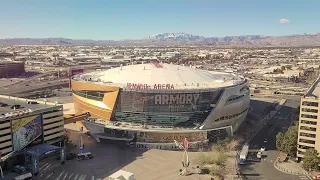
3 104
33 102
19 169
259 155
82 156
17 106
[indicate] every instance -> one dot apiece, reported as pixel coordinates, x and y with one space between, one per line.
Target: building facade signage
147 86
153 137
176 99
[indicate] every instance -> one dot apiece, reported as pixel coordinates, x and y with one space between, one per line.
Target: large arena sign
165 108
176 99
174 102
147 86
154 137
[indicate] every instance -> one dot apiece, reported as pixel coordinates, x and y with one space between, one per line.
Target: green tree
290 140
311 160
280 141
287 142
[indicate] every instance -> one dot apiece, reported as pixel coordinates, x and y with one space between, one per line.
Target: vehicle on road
82 156
26 176
265 141
263 148
19 169
3 104
259 154
17 106
33 102
244 154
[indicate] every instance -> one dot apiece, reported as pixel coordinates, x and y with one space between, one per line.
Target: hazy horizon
119 20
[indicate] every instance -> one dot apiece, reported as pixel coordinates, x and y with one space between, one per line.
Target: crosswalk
49 172
304 177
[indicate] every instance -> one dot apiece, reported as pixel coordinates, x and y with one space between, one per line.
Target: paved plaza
109 157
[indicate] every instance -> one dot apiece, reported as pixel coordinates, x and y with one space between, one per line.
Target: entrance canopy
42 150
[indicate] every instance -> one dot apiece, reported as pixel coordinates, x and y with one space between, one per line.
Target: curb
275 164
288 171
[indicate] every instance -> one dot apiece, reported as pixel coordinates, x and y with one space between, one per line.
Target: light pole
185 158
81 141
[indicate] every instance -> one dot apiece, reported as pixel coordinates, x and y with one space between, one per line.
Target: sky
134 19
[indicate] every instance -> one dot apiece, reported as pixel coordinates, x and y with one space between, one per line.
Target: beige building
309 126
24 124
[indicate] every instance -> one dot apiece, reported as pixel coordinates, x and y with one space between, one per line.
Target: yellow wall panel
110 99
81 107
86 86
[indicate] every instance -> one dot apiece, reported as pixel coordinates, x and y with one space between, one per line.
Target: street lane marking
70 175
65 176
43 166
83 177
75 178
60 175
47 166
92 177
80 177
49 175
304 177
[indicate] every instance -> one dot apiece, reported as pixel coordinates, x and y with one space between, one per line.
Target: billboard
25 131
75 71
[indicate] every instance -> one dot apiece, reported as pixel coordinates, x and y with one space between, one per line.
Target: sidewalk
290 167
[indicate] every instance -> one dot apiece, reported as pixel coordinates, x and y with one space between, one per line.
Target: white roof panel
158 73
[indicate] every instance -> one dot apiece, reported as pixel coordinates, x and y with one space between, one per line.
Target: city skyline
120 20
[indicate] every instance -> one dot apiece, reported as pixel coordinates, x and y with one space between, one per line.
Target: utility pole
81 140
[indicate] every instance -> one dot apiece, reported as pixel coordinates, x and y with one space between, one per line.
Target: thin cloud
284 21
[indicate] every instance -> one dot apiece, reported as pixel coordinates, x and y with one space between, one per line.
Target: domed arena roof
181 77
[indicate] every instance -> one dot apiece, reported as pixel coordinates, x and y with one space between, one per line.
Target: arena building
11 69
153 104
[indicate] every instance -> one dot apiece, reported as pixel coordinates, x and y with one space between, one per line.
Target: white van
82 156
26 176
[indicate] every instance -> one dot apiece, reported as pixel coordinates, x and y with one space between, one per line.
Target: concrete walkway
290 168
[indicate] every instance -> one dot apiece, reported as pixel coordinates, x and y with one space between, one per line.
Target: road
32 86
265 169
